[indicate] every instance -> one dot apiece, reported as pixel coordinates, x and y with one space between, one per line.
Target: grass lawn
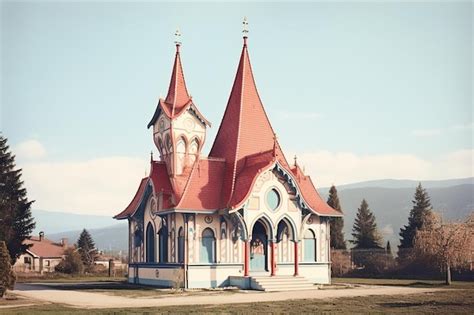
458 299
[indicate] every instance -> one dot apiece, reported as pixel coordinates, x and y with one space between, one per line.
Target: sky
357 90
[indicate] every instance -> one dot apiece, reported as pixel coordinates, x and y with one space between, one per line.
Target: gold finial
245 27
177 37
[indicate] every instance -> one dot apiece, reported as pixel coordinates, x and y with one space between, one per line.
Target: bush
72 264
7 276
340 262
373 262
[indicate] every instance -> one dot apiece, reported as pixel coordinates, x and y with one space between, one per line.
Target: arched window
181 154
193 150
181 245
309 244
150 243
208 247
168 144
163 234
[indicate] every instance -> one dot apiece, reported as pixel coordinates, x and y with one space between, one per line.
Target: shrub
72 263
7 276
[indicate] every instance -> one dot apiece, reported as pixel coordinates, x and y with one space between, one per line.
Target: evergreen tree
16 222
86 248
337 224
7 276
418 214
365 231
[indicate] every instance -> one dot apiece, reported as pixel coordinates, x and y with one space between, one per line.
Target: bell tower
179 129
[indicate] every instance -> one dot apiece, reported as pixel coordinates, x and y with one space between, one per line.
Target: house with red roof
42 256
242 215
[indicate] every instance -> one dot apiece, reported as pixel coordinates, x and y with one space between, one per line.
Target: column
296 258
246 257
272 258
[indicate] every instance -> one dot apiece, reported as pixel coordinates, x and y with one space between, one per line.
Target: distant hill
55 222
391 206
109 238
403 183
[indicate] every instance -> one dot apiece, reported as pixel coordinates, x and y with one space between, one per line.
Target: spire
245 128
178 95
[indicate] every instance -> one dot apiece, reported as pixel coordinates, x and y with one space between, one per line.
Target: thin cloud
29 150
327 168
426 132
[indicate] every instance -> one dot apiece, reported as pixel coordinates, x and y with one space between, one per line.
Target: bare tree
449 245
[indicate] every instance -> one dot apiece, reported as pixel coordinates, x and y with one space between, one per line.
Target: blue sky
363 87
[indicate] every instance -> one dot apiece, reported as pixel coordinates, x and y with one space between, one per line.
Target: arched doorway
150 243
259 248
181 245
163 234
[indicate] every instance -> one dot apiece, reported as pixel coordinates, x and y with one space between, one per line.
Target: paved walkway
100 300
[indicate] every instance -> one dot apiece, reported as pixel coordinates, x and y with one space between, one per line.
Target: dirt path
100 300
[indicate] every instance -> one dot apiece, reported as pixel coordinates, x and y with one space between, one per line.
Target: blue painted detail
155 116
156 265
273 199
207 247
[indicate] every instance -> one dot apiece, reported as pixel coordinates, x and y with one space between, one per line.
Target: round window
273 199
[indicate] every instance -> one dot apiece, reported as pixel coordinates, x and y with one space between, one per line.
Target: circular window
273 199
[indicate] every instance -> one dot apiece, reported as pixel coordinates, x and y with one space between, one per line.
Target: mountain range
390 200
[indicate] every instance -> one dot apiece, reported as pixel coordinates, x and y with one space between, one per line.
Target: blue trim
156 265
155 115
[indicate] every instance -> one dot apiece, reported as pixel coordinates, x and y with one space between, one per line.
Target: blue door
258 253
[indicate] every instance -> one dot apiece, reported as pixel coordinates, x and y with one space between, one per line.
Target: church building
240 216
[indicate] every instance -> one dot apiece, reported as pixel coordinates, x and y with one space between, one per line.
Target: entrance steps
280 283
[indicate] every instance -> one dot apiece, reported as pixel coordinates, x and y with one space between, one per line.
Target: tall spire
245 129
178 95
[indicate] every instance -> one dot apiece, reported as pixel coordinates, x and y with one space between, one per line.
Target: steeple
178 95
245 128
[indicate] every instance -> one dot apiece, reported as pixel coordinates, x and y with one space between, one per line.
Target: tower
179 129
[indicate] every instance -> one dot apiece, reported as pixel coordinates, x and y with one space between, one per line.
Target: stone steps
280 283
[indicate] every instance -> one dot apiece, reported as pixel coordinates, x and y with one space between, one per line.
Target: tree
421 208
86 248
72 263
16 222
365 231
7 276
449 245
337 224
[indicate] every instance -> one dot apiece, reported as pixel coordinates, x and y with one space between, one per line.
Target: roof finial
296 160
151 156
245 30
177 39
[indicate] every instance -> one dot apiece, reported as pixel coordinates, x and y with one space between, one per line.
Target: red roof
245 146
204 187
45 248
245 128
178 96
132 207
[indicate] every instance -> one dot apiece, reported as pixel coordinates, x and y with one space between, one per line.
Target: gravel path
100 300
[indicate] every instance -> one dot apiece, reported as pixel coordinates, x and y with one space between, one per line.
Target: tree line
426 238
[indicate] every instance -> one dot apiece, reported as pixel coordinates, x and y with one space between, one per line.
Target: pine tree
86 248
7 276
365 231
337 224
16 222
418 214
